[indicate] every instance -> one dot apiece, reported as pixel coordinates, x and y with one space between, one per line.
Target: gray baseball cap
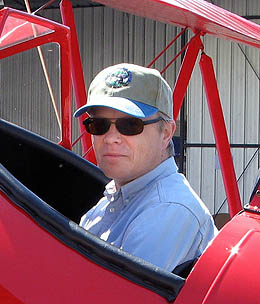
131 89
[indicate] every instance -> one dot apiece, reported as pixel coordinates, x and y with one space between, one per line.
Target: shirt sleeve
96 211
166 235
85 218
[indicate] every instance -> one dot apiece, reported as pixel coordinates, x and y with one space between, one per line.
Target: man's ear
169 129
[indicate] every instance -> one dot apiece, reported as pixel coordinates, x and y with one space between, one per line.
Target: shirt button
127 201
112 209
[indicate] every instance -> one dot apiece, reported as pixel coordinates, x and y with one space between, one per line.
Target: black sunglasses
125 125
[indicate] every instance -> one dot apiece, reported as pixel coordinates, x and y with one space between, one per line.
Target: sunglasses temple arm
148 122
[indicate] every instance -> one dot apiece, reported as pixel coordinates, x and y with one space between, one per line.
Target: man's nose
112 135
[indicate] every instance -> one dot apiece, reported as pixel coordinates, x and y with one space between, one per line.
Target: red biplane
45 188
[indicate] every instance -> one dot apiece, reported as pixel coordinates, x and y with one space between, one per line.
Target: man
148 209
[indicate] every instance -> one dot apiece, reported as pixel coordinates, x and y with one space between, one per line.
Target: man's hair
166 119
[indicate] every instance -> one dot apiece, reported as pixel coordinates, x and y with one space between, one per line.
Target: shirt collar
166 168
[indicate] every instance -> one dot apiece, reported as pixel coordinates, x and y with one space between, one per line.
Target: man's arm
167 235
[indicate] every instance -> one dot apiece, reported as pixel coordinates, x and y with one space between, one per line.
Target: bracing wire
240 176
257 150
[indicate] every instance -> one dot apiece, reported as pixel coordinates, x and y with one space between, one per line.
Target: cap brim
127 106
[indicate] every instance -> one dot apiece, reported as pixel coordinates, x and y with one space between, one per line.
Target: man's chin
116 175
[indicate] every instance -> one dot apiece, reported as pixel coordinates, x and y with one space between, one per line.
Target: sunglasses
125 125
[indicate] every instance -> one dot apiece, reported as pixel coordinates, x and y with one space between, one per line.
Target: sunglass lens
97 126
129 126
126 126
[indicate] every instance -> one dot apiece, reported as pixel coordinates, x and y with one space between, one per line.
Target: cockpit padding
59 177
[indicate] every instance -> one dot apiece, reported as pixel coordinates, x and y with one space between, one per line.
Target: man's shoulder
176 190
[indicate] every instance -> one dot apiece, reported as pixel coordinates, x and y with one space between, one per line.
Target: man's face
125 158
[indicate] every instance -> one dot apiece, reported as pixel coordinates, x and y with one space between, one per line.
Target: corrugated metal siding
24 98
239 92
108 37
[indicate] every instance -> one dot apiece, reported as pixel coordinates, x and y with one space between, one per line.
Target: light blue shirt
157 217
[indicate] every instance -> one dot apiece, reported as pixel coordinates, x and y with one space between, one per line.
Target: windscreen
17 30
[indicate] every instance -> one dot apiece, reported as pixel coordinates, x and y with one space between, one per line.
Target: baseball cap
131 89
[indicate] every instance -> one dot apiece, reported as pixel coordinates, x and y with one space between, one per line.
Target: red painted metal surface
14 28
220 133
228 272
77 77
38 268
23 27
66 94
198 15
7 297
184 76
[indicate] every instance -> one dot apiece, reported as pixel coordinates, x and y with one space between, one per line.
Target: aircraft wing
198 15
